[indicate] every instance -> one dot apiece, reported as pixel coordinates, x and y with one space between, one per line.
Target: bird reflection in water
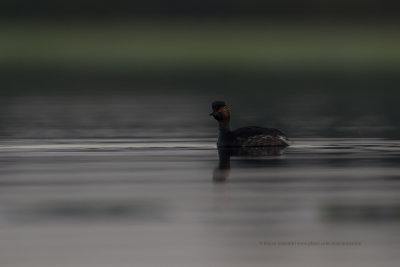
221 173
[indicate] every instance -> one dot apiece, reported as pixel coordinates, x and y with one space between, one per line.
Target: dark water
181 202
315 113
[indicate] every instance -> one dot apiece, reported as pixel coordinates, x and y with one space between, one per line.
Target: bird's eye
220 110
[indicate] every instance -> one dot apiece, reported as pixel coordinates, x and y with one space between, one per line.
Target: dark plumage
251 136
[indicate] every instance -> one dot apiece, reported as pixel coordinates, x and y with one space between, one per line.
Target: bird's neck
224 127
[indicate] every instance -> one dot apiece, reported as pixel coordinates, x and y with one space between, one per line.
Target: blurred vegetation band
232 54
235 45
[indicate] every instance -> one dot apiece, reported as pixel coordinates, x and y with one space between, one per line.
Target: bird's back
255 136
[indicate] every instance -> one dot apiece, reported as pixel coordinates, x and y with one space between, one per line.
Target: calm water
181 202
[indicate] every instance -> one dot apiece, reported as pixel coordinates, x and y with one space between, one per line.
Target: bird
251 136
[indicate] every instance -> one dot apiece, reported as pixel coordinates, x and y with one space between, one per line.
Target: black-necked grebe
247 136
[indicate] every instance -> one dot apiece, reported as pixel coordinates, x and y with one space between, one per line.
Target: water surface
157 202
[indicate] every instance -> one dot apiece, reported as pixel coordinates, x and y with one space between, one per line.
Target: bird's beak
212 113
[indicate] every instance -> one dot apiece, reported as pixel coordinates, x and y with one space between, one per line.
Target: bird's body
252 136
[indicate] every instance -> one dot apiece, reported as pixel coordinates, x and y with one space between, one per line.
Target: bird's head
220 111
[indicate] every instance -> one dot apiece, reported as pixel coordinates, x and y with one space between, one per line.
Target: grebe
251 136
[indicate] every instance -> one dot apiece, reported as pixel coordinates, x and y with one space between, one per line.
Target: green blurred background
314 68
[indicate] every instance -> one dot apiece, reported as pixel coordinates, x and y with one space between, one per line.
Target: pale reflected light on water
156 202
